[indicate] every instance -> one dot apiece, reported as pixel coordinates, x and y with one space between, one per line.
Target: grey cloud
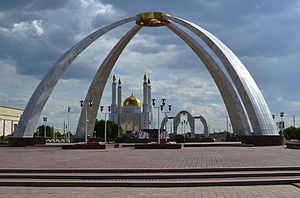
263 34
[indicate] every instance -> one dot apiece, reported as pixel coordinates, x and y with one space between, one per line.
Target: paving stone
282 191
201 157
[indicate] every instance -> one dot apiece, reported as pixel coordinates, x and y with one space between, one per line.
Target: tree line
112 130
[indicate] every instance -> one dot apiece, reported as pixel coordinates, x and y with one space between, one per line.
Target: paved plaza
283 191
201 157
204 157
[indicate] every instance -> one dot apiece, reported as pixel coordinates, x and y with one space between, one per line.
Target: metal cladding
245 104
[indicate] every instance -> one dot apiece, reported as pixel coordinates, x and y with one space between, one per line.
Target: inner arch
97 86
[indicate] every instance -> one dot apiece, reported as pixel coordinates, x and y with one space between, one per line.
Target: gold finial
152 19
119 82
145 78
114 78
149 82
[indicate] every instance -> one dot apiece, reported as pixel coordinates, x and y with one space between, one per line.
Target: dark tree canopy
40 131
111 128
291 133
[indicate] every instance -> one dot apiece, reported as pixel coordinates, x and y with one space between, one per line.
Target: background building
9 118
131 115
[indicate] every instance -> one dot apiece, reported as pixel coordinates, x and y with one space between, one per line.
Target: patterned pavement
201 157
282 191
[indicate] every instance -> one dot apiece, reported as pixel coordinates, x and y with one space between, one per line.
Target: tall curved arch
234 106
251 97
32 112
97 86
256 106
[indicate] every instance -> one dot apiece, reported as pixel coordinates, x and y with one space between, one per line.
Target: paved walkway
282 191
203 157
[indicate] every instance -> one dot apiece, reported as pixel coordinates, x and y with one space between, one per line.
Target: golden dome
132 101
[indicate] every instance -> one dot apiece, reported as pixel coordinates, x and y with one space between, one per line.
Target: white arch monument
246 106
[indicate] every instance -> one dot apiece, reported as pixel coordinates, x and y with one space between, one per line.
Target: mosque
132 115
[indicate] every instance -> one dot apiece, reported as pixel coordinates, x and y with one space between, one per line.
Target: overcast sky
264 34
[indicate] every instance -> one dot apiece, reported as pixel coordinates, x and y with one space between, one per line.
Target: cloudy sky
264 34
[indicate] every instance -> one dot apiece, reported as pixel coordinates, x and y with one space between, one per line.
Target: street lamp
105 113
159 108
45 128
184 122
166 117
281 123
90 103
68 129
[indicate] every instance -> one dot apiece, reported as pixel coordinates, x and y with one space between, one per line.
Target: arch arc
205 126
34 107
164 123
234 106
190 119
255 104
96 88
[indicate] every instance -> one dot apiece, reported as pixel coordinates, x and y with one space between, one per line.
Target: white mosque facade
131 115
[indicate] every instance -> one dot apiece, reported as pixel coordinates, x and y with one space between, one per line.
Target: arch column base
25 141
262 140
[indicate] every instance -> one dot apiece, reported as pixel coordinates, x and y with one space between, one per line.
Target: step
143 170
148 183
149 175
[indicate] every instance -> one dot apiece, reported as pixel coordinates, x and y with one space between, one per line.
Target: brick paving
203 157
281 191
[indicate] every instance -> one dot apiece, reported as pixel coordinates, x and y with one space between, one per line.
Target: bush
179 138
291 133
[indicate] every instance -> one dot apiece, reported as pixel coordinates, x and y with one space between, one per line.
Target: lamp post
45 128
184 122
281 125
68 129
105 113
227 124
89 103
159 108
294 121
166 117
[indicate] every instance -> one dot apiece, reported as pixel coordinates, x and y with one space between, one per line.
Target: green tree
291 133
41 129
111 129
